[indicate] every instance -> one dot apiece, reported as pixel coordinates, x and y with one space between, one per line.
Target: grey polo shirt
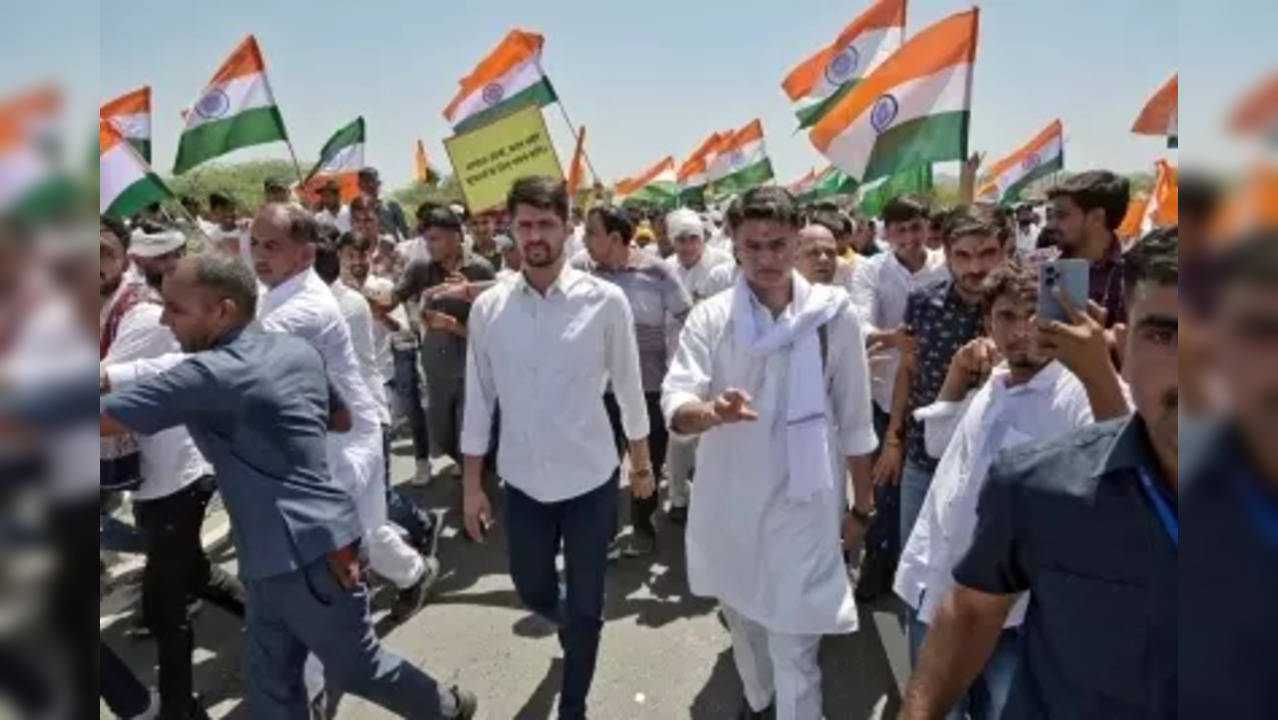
1070 521
257 406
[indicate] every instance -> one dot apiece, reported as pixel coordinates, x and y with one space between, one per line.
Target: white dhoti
776 667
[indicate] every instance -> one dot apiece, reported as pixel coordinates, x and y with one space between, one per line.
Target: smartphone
1071 277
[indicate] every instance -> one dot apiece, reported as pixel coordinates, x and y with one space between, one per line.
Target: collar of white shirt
568 276
287 289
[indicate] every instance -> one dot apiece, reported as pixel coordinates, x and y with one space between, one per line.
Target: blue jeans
882 536
582 526
987 697
915 480
306 610
399 509
407 388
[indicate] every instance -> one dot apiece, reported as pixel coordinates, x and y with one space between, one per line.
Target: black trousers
642 509
176 570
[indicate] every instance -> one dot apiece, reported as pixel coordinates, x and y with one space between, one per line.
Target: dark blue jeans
409 391
583 527
399 509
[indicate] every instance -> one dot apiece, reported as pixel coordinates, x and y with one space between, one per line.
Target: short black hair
541 192
348 240
425 208
732 216
302 226
936 221
1011 279
189 202
614 220
905 208
1155 258
219 199
116 227
229 277
1249 259
1097 189
770 203
327 264
967 220
830 221
440 217
1199 194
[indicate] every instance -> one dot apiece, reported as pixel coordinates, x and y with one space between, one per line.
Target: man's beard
551 257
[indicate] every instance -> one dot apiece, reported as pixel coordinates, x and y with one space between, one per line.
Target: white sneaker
423 476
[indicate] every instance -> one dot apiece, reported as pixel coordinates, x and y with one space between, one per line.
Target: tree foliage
242 181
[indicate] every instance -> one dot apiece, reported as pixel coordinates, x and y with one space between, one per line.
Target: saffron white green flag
740 163
913 109
507 79
236 109
126 184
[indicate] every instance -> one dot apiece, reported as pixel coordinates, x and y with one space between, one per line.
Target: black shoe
467 703
411 599
678 514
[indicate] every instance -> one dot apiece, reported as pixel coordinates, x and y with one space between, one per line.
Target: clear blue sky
653 78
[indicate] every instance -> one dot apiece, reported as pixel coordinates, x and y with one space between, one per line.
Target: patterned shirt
942 322
656 298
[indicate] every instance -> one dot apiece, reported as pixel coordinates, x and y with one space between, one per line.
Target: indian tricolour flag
1163 207
507 79
126 184
741 162
131 115
913 109
803 184
236 109
830 181
693 173
819 82
340 161
1007 178
657 185
1160 113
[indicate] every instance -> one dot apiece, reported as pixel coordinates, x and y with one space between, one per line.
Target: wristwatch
863 516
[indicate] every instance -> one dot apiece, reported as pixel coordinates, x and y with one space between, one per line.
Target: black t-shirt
443 353
1228 587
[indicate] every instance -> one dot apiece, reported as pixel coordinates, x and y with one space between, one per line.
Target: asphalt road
664 653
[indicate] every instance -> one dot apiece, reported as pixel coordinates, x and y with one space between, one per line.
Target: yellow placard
488 160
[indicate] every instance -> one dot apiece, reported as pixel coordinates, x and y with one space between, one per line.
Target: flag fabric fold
820 81
913 109
917 180
339 161
1160 114
740 162
693 173
657 185
1163 206
828 182
507 79
235 110
126 183
1007 178
130 113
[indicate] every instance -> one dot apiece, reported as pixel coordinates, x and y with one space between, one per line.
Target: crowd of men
840 408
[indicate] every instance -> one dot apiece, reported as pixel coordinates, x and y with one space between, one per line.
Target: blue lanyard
1262 509
1162 508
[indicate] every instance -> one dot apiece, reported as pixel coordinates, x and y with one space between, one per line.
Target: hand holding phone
1069 277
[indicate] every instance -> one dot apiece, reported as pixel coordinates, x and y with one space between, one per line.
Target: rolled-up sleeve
623 365
688 379
849 373
168 399
481 392
993 562
123 374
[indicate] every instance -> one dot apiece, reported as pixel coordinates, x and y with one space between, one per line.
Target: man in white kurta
300 303
765 523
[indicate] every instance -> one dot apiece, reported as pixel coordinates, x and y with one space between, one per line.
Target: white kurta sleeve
622 356
688 379
481 391
940 420
848 370
861 289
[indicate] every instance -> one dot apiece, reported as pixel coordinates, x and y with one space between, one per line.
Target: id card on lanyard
1162 509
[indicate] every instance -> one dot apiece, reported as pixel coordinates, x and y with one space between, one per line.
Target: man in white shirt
300 303
773 375
340 268
177 482
331 210
692 262
881 285
543 345
1001 391
228 235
